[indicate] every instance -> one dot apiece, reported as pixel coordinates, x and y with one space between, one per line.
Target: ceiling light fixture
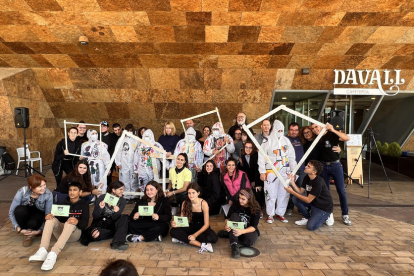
284 98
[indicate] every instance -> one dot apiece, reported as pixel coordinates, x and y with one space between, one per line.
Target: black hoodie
78 210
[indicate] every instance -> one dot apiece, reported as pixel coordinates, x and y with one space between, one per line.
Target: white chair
29 158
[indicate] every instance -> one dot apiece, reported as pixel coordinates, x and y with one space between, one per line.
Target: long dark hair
139 131
119 268
251 202
116 184
188 207
183 154
215 169
254 149
158 187
84 180
302 136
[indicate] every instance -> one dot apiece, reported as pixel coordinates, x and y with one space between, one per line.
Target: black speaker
337 119
21 117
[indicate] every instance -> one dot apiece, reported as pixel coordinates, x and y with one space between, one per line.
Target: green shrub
379 146
394 150
385 148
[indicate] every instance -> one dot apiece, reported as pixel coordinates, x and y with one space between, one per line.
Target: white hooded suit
281 152
144 164
97 162
125 158
215 142
193 149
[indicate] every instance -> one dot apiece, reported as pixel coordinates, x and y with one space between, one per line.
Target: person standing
282 154
63 162
318 199
266 128
82 137
188 124
108 139
241 119
124 160
206 133
168 141
332 165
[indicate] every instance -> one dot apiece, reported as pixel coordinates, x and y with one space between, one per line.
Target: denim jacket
43 203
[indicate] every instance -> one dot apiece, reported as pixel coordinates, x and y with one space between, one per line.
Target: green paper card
181 221
145 211
60 210
111 199
235 225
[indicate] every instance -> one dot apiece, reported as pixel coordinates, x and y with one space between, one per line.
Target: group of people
204 174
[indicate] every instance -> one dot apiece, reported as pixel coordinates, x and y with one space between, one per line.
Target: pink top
234 185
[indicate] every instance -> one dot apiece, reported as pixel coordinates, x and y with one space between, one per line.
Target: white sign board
355 140
357 91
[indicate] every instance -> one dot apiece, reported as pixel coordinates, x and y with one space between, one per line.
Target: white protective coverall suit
125 159
144 164
97 162
194 151
281 152
215 142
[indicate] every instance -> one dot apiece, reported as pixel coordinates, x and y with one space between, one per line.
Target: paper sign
354 140
181 221
235 225
146 210
60 210
111 199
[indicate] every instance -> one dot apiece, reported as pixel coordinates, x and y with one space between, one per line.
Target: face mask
216 133
94 137
279 134
147 139
191 137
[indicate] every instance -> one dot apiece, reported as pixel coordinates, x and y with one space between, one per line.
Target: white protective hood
217 134
90 133
148 136
278 125
190 134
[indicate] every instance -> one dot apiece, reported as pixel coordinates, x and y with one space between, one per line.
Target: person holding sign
108 221
67 228
281 153
198 232
151 216
247 211
80 174
318 199
29 207
62 161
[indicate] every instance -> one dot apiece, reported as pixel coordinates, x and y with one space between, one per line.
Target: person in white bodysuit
215 142
194 151
143 162
97 162
124 160
281 152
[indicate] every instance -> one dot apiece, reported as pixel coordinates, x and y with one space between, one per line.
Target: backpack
8 161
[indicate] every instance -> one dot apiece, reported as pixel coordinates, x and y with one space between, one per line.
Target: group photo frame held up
86 124
261 151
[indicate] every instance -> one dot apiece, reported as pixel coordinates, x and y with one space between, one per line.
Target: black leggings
65 166
182 233
150 230
29 217
247 239
118 231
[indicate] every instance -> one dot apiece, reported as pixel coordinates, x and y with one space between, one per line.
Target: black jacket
162 208
78 210
210 187
107 212
59 155
110 141
251 169
233 129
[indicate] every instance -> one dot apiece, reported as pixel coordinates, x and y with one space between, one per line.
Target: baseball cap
105 123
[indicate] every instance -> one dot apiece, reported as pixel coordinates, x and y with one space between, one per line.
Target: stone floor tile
266 272
177 271
317 265
244 272
289 272
315 272
199 271
155 271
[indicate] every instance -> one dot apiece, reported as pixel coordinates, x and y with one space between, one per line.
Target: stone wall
22 90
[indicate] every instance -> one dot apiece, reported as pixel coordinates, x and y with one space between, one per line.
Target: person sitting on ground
156 226
180 177
198 233
119 268
108 221
29 207
234 180
81 173
65 229
245 210
318 199
209 181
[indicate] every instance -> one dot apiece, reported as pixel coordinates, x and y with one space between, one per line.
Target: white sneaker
39 256
346 220
330 221
206 247
174 240
173 211
50 261
303 221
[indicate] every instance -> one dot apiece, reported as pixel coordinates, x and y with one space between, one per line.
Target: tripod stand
368 141
26 167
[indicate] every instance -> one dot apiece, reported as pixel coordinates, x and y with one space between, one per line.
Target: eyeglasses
307 132
248 147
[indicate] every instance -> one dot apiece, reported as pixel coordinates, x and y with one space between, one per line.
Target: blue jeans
337 172
301 175
315 220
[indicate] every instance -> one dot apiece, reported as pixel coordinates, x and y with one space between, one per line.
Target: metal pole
25 148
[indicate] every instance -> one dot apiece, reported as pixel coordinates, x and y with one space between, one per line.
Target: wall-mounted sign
367 77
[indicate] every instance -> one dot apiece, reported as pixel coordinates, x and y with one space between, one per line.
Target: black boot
235 251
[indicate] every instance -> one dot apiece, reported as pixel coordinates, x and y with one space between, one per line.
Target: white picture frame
78 155
262 152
